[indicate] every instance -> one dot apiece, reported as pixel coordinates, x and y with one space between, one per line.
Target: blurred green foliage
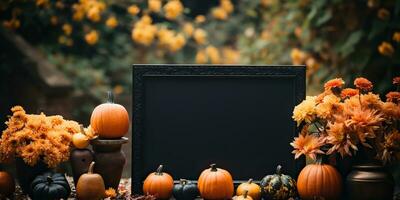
333 38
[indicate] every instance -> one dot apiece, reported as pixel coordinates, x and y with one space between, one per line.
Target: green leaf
324 18
251 13
348 46
319 4
312 14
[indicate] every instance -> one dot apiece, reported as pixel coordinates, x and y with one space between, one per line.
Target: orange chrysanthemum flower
386 49
396 80
393 97
307 145
361 118
305 111
348 119
341 139
321 96
390 147
364 122
348 92
37 137
383 14
391 110
329 106
110 193
334 83
363 84
371 101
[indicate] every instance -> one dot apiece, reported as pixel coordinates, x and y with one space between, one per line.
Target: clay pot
26 174
7 184
110 160
369 181
80 161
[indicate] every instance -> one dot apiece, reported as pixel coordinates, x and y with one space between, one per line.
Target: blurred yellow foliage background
95 42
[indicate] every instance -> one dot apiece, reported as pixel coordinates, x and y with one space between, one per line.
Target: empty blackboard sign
239 117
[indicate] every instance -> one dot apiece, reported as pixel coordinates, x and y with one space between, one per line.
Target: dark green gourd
278 186
50 186
185 190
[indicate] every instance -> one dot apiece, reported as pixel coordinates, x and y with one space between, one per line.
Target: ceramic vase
110 160
369 181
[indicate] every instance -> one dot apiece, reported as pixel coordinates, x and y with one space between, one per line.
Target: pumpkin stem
278 170
319 160
183 181
110 97
159 170
91 166
250 181
245 194
82 129
213 167
49 179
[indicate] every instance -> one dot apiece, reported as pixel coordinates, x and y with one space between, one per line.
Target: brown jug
110 160
80 161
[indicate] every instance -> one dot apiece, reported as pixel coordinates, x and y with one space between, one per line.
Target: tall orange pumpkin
159 184
110 120
319 181
215 184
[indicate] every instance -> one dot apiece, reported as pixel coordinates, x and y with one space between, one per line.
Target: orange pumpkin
80 140
159 184
215 183
319 181
7 184
244 196
110 120
253 190
90 186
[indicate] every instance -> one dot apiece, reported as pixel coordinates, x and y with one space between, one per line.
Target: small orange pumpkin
215 183
253 190
7 184
80 140
159 184
319 181
90 186
110 120
244 196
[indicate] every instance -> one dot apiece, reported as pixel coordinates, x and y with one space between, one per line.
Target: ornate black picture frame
182 112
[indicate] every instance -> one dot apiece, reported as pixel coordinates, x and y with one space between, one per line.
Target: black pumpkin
50 186
185 190
278 186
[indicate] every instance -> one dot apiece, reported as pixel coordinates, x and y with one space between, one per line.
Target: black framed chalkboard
239 117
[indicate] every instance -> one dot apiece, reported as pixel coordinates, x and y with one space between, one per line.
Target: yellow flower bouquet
37 137
343 120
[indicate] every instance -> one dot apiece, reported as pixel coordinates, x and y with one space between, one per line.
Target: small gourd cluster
216 183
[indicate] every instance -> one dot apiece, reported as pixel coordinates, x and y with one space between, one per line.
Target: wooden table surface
125 186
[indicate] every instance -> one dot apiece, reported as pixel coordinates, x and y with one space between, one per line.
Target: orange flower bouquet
343 120
37 137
